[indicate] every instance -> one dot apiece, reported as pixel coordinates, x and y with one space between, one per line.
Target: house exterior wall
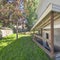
56 32
6 32
43 5
56 36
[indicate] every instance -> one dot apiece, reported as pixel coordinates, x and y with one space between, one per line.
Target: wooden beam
52 35
47 21
41 38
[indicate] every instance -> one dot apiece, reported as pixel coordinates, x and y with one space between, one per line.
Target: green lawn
22 49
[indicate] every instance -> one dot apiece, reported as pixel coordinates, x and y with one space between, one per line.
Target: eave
50 7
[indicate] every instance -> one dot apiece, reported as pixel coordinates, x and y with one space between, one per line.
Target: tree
30 11
9 10
5 11
1 9
16 16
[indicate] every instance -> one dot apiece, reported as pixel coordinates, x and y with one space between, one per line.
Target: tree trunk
3 24
17 31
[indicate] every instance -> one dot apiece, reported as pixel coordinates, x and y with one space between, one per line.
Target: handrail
40 37
48 52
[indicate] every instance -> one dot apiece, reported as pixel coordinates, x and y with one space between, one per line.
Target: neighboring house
48 24
5 31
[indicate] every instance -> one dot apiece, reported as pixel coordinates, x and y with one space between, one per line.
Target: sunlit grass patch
7 40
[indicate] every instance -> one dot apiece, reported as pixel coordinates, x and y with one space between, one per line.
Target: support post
17 31
39 32
33 34
52 35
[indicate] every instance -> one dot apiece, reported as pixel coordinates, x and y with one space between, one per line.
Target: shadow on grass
22 49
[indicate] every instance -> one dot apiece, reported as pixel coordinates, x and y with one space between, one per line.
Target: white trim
55 8
51 7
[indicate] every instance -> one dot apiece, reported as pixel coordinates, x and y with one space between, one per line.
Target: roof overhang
50 7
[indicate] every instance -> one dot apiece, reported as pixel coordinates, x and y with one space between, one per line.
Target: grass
22 49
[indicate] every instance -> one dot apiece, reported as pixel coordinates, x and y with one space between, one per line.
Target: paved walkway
58 56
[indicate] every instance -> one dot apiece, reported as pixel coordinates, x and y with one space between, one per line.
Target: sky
10 0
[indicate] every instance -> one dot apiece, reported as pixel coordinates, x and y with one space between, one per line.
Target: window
47 36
